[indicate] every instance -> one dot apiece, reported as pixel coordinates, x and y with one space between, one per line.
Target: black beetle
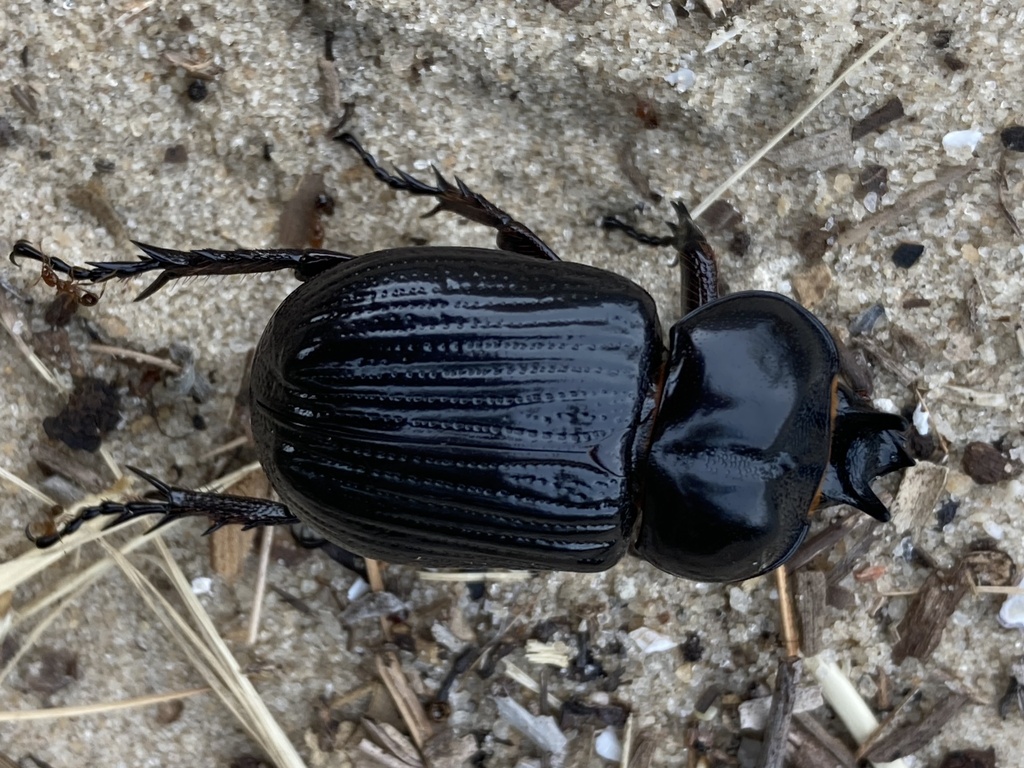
462 407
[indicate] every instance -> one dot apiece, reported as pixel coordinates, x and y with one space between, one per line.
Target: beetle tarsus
176 503
459 199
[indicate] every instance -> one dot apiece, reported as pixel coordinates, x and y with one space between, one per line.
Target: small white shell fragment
922 419
682 79
960 141
358 589
202 585
993 529
1011 615
608 746
649 641
542 731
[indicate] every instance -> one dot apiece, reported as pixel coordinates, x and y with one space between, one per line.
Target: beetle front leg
176 503
697 261
513 235
173 264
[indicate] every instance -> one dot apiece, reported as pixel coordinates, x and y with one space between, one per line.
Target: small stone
197 91
176 154
906 254
812 283
875 178
947 512
954 63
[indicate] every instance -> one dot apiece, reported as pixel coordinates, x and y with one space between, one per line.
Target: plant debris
921 628
877 120
92 410
299 225
894 743
986 464
970 758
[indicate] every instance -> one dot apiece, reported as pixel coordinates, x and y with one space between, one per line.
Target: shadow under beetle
469 408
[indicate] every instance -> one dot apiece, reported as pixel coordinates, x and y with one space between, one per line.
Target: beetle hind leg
171 264
221 509
697 261
513 235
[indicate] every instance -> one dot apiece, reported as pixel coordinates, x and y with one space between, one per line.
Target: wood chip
811 746
299 219
921 628
919 493
810 591
905 740
784 702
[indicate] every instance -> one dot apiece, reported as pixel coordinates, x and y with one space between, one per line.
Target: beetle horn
865 444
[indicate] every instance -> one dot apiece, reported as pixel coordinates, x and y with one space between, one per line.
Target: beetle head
865 444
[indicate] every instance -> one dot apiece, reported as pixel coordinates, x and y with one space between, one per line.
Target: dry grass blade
100 707
265 729
261 586
405 699
722 188
211 657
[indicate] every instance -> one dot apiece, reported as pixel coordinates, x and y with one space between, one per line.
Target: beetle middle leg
513 235
173 264
698 264
176 503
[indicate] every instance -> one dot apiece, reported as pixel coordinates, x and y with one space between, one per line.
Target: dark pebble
1013 137
176 154
906 254
947 512
197 91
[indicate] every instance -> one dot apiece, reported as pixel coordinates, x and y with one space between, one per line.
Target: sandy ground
534 107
